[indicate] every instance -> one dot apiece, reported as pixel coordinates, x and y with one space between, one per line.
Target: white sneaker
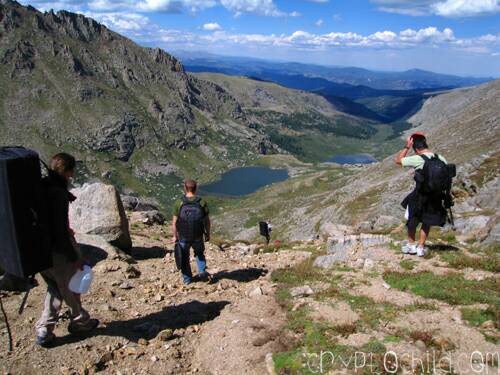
421 251
409 248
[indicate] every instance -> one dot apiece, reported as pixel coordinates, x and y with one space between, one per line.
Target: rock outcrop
118 106
98 210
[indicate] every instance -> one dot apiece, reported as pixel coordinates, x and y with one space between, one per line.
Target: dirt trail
152 324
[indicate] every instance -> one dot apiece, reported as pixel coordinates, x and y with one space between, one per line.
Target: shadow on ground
147 327
244 275
442 247
144 253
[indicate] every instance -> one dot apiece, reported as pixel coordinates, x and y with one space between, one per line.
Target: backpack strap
185 200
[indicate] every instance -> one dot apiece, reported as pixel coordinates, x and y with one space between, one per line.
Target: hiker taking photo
191 228
65 256
427 204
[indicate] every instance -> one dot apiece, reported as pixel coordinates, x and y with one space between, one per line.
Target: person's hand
409 142
174 240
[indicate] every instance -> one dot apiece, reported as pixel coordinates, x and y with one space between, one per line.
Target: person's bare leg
424 233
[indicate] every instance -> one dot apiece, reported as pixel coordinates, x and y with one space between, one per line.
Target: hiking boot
409 248
45 339
421 251
78 327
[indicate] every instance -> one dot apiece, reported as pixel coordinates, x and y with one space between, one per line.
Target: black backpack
263 228
437 176
191 220
24 233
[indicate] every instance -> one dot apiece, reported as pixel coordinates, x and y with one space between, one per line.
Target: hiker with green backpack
191 228
428 203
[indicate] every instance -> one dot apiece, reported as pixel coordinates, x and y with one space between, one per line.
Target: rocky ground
273 311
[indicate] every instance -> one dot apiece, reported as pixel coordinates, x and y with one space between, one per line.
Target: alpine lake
242 181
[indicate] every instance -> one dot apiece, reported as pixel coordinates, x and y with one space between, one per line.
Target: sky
447 36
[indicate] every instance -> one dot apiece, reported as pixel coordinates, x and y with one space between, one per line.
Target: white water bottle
81 280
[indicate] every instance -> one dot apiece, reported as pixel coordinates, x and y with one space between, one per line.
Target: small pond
352 159
245 180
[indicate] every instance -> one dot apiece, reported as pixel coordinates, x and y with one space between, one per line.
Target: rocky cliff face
68 82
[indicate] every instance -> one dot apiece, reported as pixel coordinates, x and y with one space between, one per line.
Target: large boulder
98 210
132 203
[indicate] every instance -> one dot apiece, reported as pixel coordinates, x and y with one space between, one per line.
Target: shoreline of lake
243 181
352 159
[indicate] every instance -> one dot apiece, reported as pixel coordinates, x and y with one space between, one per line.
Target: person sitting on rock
423 206
66 259
191 228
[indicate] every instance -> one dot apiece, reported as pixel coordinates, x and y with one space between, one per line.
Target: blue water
352 159
245 180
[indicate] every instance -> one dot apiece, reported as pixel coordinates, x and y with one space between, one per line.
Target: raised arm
402 154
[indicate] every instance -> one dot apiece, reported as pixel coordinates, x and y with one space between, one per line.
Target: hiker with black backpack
427 204
191 228
66 260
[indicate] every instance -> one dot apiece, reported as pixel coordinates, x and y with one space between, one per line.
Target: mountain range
413 79
135 118
378 96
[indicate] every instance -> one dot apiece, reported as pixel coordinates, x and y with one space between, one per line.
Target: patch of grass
371 313
343 268
488 262
365 200
298 275
392 339
252 222
447 236
374 347
476 317
288 361
417 306
451 288
408 264
283 295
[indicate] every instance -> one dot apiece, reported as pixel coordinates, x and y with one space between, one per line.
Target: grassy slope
331 194
41 109
306 124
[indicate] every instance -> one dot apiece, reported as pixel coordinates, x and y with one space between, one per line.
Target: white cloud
295 14
445 8
237 7
466 8
124 22
212 26
260 7
319 22
430 37
318 1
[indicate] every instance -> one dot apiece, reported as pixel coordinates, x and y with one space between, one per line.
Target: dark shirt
59 199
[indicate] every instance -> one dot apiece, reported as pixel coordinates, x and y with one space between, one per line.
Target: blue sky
449 36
